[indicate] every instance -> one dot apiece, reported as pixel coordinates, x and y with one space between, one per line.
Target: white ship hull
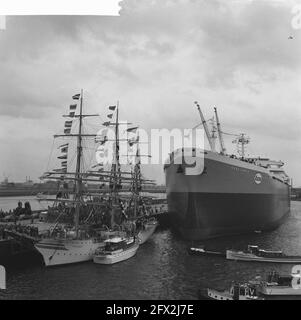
66 251
216 295
116 257
150 228
243 256
280 291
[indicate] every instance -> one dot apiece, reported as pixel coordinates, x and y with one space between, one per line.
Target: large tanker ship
231 195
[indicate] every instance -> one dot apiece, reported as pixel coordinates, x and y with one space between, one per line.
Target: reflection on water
162 269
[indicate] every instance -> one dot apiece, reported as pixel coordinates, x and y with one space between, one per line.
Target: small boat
116 249
202 251
148 229
281 286
254 253
237 291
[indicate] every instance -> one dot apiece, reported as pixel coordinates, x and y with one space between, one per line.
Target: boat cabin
246 290
264 253
117 243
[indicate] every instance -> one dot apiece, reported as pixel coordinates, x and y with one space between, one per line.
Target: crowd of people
3 214
27 230
18 212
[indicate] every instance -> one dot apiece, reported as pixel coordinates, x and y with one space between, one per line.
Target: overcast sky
157 58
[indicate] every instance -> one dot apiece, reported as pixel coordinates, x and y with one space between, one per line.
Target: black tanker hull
15 255
213 215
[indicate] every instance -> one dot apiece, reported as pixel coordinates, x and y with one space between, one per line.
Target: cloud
156 59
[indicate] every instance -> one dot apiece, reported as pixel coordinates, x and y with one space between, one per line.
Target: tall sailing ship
98 215
232 195
78 243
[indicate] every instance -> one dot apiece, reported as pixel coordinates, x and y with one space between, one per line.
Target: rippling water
162 269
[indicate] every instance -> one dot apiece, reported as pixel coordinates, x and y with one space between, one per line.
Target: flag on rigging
67 131
72 114
97 165
133 141
106 124
64 150
112 108
110 116
105 139
132 129
73 106
59 170
76 96
68 124
63 145
62 157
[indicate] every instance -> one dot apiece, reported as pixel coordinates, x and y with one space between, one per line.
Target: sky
156 59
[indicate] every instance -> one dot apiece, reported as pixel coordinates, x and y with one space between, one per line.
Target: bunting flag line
106 124
67 131
64 163
110 116
76 96
112 108
73 106
72 114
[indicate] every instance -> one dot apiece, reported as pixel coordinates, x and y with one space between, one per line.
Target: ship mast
213 133
204 123
78 181
220 135
137 179
115 170
241 141
77 176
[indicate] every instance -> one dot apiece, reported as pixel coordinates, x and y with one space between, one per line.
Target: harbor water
161 269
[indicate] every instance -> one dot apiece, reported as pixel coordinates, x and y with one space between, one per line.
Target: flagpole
78 165
116 154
